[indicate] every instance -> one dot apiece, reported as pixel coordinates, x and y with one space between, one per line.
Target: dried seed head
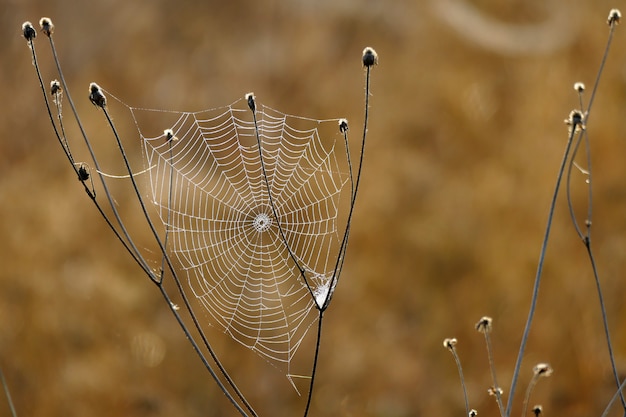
55 87
614 17
542 369
29 31
473 413
370 57
46 26
95 95
449 343
576 119
251 101
537 410
343 125
580 87
495 391
83 173
484 324
169 135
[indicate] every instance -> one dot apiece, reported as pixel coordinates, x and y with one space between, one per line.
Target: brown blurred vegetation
463 151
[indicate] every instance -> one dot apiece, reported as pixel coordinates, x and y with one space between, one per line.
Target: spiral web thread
207 182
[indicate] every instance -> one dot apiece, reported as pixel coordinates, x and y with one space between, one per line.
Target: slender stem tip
370 57
46 26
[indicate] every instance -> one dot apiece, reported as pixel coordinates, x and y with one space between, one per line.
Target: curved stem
536 285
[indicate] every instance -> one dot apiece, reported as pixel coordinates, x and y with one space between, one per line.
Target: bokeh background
466 137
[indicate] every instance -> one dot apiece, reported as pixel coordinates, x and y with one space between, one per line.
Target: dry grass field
465 140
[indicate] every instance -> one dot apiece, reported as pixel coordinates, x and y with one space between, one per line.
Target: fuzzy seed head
449 343
542 369
169 135
46 26
576 119
96 96
537 410
251 101
55 87
370 57
343 125
484 324
614 17
29 31
580 87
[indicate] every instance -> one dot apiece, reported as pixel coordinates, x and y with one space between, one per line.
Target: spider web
243 262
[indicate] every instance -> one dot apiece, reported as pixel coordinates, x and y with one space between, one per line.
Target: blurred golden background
465 139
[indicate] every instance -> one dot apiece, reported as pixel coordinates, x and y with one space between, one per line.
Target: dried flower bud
251 101
473 413
370 57
580 87
614 17
343 125
95 95
29 31
169 135
83 173
55 87
449 343
46 26
495 391
484 324
576 119
537 410
542 369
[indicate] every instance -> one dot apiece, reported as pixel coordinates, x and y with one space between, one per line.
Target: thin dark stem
198 351
492 367
127 241
536 285
605 323
170 265
344 242
586 238
315 359
7 393
602 63
91 193
613 398
459 367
